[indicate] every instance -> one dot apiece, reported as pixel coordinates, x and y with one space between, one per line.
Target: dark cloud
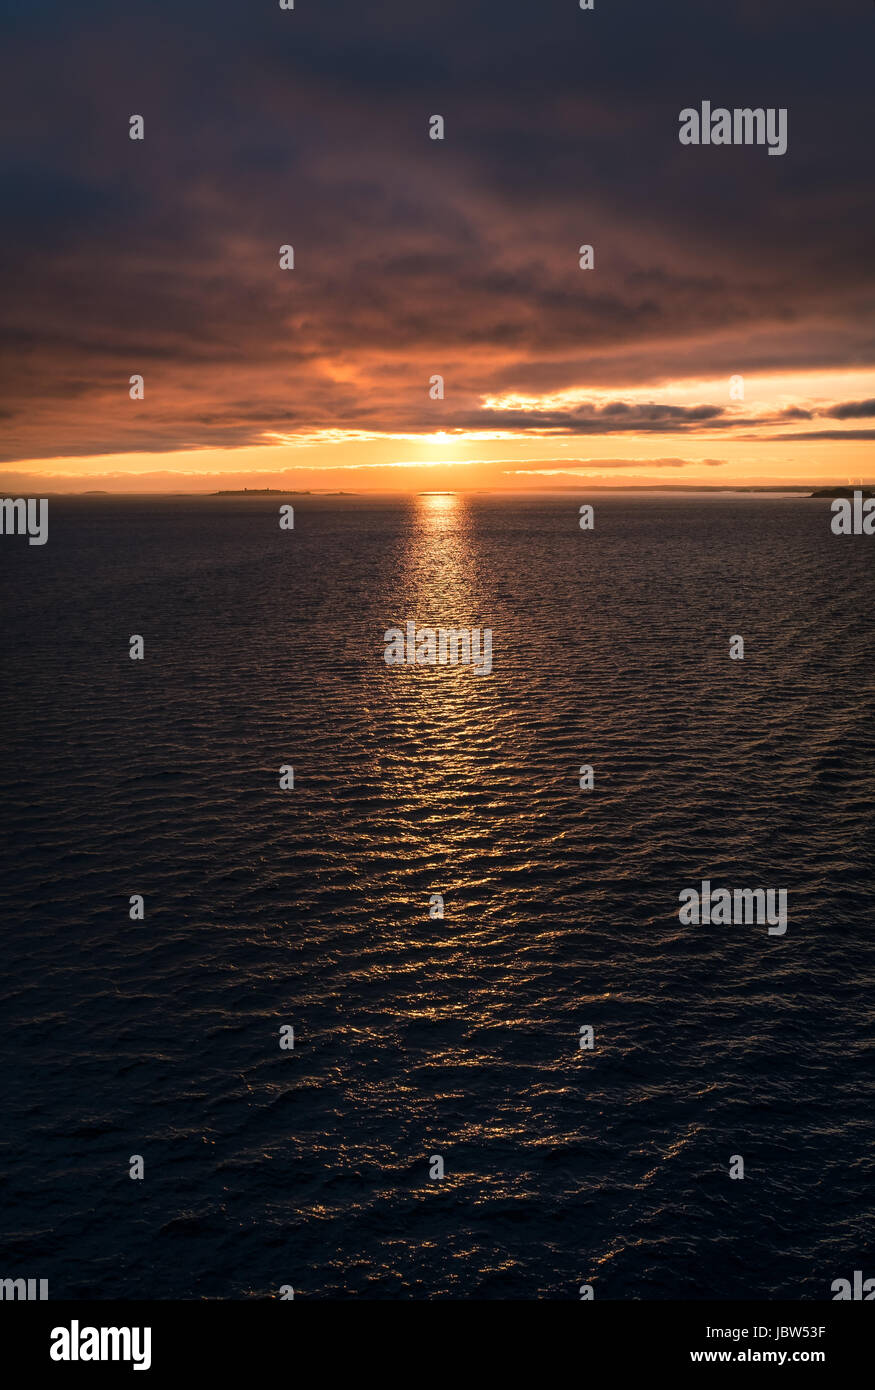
831 434
616 417
852 410
847 410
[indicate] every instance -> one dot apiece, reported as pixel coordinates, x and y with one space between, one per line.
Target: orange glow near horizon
754 444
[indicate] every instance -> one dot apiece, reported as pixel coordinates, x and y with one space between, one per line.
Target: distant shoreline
844 491
269 492
799 489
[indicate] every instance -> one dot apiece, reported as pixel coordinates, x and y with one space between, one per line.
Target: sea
428 1043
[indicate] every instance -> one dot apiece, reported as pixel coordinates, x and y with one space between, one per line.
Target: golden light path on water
458 763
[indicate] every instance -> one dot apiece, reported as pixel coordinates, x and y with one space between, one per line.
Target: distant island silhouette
843 491
276 492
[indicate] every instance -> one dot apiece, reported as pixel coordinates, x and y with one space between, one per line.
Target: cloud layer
416 257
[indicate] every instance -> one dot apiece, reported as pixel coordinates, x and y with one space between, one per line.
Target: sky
417 258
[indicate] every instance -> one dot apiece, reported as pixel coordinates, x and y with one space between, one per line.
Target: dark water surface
417 1036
